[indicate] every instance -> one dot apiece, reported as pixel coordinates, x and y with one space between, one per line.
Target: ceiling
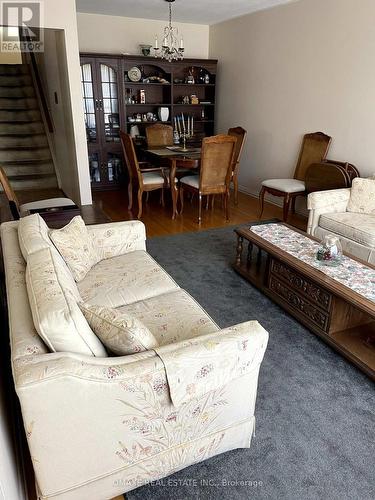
188 11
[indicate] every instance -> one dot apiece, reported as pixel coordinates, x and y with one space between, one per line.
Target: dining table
174 158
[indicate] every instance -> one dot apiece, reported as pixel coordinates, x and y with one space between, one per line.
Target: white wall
62 15
52 64
114 34
298 68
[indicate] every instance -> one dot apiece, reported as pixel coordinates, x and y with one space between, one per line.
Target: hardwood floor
158 219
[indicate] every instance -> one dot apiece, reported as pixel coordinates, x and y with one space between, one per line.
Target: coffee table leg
259 257
239 249
249 253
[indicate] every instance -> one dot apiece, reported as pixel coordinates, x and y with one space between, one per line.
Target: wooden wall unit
105 86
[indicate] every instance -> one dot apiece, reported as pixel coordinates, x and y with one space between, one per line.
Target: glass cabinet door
95 168
89 102
114 167
110 104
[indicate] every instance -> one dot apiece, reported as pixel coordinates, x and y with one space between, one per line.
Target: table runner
350 273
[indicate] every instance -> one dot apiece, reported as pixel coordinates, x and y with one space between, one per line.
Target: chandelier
172 48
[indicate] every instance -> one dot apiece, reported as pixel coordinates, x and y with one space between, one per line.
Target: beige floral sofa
348 213
100 425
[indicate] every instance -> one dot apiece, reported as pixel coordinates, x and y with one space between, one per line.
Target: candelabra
184 136
183 130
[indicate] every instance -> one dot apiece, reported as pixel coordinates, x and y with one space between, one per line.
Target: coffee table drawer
302 306
300 284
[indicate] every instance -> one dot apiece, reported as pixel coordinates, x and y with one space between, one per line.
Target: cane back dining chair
146 179
215 172
240 134
159 135
314 149
18 210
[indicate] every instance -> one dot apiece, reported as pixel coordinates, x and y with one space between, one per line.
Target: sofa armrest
221 348
88 418
118 238
208 362
325 202
331 197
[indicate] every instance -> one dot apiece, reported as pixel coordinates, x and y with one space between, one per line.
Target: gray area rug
315 411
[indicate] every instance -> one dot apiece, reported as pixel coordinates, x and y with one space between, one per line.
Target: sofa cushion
53 299
172 317
33 235
362 196
76 247
119 331
125 279
356 227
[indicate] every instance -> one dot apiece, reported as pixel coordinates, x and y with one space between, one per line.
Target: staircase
24 151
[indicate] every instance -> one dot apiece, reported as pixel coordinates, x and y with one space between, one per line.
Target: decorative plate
134 74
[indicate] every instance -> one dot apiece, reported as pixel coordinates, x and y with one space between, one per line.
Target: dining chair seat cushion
285 185
191 180
43 204
119 331
152 178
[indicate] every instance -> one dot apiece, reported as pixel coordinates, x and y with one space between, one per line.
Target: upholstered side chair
314 149
240 134
215 171
146 180
159 135
18 210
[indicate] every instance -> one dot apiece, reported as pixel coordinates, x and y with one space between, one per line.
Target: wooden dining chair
159 135
314 149
240 134
18 210
215 173
146 179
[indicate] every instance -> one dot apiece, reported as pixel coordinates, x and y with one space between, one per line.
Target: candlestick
183 122
192 126
188 125
156 43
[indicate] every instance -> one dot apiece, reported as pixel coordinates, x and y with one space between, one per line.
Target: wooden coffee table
338 304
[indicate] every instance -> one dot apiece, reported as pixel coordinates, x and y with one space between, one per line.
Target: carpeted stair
24 150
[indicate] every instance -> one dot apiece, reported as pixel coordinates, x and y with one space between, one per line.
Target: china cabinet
120 92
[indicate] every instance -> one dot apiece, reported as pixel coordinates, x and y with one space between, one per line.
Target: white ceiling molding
185 11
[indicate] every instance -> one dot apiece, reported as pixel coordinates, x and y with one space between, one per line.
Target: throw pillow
362 196
53 298
33 235
120 332
76 247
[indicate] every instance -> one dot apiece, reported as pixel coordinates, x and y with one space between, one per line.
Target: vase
145 49
163 114
330 251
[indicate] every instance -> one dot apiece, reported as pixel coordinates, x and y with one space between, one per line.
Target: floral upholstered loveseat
99 425
349 214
